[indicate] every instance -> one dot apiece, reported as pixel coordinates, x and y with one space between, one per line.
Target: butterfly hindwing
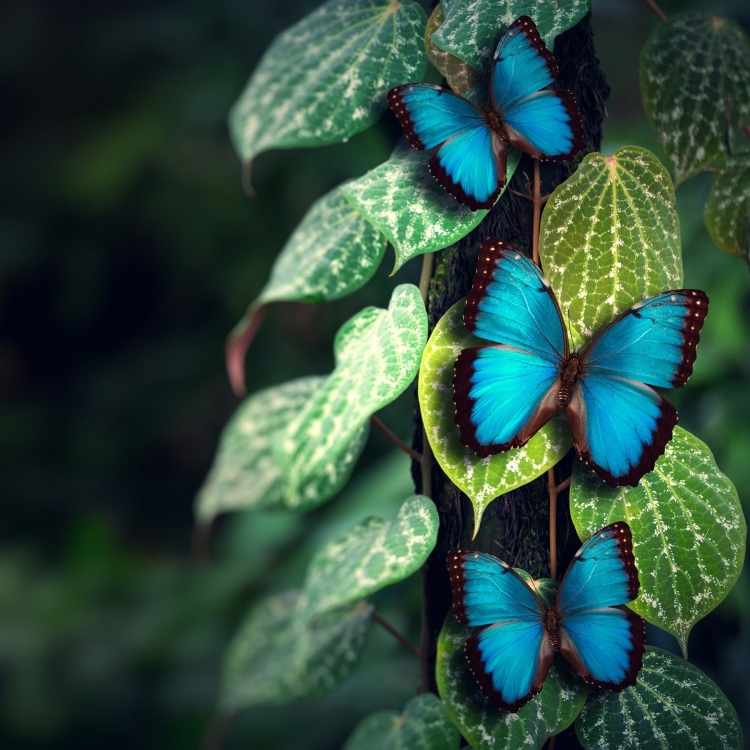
504 393
620 424
510 656
602 641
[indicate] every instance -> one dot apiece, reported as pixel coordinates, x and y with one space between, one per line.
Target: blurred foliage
129 251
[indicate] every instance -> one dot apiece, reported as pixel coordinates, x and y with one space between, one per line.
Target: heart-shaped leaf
481 479
377 357
695 83
423 725
728 206
688 529
486 728
373 555
672 705
246 473
325 78
472 28
610 236
462 78
403 201
281 654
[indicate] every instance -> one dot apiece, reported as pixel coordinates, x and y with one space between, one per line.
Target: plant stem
425 275
552 491
657 10
238 343
564 485
400 638
537 213
395 439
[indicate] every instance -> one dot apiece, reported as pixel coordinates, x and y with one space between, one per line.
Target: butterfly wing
470 159
505 392
511 654
620 424
602 641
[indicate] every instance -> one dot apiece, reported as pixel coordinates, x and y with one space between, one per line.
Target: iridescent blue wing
620 424
511 654
601 640
469 161
505 392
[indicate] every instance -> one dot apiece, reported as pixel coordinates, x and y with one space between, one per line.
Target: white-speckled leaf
423 725
281 654
462 78
484 727
610 236
688 528
691 67
402 200
472 28
245 473
672 705
372 555
481 479
325 78
728 207
332 253
377 357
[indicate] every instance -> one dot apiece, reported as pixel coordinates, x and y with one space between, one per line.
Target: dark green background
128 251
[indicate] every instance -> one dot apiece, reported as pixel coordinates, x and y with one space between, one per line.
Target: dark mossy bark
515 526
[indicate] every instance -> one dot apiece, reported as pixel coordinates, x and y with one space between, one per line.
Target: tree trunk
515 526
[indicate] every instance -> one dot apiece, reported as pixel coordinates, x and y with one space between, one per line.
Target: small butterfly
520 634
507 390
471 145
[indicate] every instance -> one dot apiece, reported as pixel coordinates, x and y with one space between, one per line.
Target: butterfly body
523 110
519 633
506 390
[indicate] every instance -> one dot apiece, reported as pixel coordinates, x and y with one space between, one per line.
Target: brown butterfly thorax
552 626
570 372
495 121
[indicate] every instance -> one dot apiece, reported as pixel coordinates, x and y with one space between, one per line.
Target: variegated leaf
462 78
694 76
402 200
481 479
728 207
423 725
281 654
688 528
246 473
377 357
672 705
372 555
483 726
325 78
472 28
610 236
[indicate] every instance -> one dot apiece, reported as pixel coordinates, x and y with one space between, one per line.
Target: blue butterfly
506 390
520 634
471 145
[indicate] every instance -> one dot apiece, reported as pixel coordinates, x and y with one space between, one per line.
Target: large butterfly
471 145
506 390
520 634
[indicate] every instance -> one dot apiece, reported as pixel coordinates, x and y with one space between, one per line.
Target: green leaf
462 78
728 207
694 72
423 725
377 357
246 473
672 705
402 200
372 555
325 78
688 532
332 253
481 479
472 28
610 236
281 654
486 728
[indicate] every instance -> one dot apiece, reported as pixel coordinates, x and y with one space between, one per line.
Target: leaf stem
657 10
395 439
537 213
552 491
238 342
425 275
564 485
400 638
